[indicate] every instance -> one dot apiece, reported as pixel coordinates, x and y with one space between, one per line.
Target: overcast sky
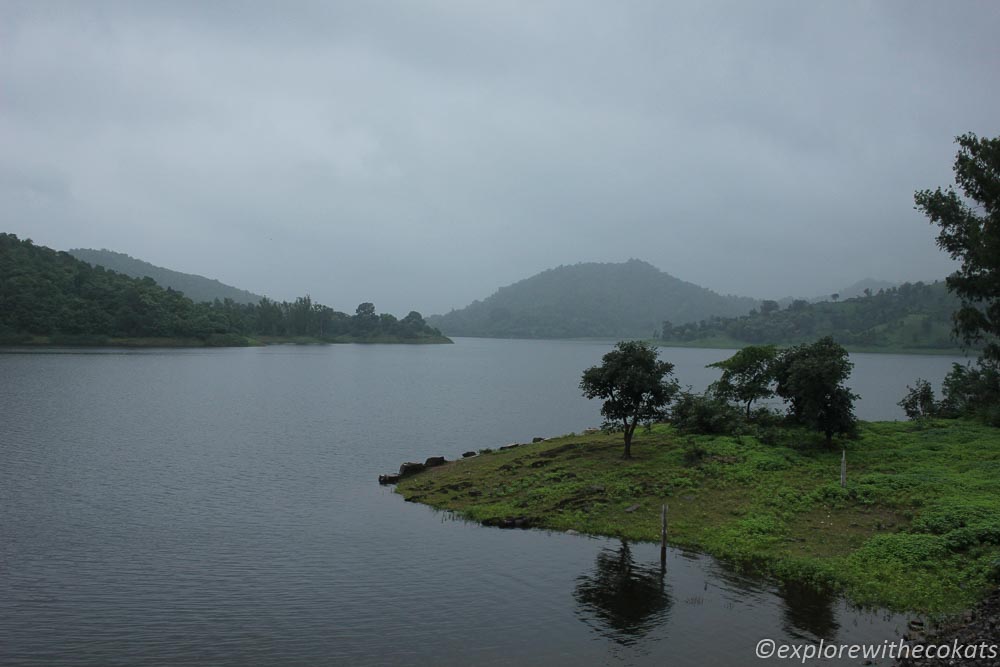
421 154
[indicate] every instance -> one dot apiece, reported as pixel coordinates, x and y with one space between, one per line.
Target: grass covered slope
917 527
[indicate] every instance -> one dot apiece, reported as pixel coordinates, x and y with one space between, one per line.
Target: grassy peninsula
916 528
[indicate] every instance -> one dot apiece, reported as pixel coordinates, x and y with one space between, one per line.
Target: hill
589 300
197 288
49 297
911 316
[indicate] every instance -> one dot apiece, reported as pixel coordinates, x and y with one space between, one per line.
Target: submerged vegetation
49 297
917 526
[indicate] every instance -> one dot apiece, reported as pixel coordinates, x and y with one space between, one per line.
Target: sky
421 154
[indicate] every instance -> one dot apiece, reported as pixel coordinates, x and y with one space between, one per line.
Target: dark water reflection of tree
808 611
621 599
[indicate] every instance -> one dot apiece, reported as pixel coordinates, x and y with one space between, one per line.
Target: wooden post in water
663 534
843 470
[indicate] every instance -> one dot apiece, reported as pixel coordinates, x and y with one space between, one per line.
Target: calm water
220 506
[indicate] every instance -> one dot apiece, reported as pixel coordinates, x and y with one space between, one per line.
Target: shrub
919 401
707 414
972 391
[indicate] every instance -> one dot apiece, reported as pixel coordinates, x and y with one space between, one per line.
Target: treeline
912 315
52 294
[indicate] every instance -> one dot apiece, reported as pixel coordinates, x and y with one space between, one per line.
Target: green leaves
970 233
633 384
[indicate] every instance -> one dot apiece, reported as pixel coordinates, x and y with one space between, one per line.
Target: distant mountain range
197 288
590 300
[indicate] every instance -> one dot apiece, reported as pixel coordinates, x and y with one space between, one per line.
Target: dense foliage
622 300
747 375
970 233
810 378
634 386
52 294
913 315
196 288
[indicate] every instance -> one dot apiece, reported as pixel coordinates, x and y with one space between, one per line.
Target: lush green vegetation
635 386
49 297
970 232
911 316
196 288
917 526
589 300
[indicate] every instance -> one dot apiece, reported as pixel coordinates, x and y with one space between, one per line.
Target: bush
972 391
694 453
919 401
707 414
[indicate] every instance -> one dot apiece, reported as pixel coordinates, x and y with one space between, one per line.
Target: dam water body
220 506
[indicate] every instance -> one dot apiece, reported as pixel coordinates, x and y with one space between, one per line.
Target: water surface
220 506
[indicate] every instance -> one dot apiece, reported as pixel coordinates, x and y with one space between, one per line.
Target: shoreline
913 531
725 344
225 340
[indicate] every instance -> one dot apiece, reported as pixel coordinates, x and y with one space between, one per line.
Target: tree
811 378
971 235
634 386
747 375
919 401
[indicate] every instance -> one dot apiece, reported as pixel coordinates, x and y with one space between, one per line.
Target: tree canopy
811 379
970 232
747 375
634 385
49 293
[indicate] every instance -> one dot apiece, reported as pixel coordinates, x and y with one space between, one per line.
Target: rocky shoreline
979 627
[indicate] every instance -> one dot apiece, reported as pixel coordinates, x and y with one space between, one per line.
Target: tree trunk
748 409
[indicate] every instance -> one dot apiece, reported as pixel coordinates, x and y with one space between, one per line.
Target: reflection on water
622 599
808 613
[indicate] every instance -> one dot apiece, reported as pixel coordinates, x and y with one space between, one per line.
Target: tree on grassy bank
747 376
811 379
634 385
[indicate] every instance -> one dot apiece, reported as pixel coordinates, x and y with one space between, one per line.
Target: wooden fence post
663 534
843 470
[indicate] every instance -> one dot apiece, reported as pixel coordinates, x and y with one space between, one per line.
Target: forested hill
910 316
196 288
52 297
589 300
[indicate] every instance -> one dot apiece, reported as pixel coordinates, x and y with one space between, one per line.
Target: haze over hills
914 316
195 287
628 299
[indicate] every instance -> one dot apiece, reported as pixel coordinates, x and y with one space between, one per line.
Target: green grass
917 527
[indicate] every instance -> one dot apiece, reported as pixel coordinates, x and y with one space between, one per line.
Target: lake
220 506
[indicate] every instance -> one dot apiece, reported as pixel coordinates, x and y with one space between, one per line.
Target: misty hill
197 288
52 297
910 316
858 289
627 299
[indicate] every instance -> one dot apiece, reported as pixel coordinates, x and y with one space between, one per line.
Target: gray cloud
421 154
